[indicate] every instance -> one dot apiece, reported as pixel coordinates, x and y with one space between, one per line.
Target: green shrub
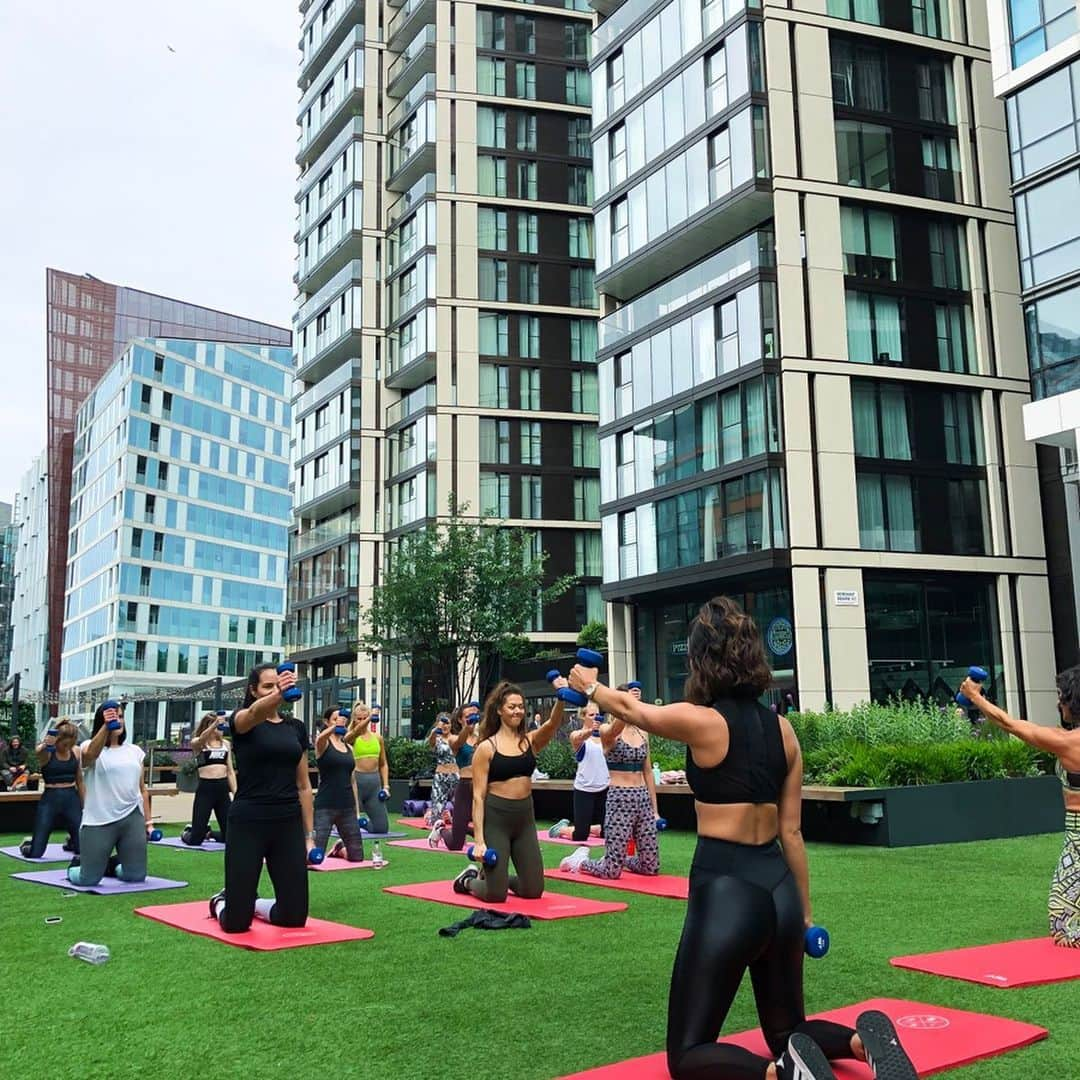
593 635
667 753
916 723
408 758
557 760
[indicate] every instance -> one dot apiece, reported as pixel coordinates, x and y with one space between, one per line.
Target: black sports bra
217 755
755 767
508 766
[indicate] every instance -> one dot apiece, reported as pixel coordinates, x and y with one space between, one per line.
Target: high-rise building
1035 51
9 533
812 368
29 605
180 514
88 325
446 328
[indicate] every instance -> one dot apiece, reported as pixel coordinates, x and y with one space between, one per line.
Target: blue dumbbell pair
976 674
587 658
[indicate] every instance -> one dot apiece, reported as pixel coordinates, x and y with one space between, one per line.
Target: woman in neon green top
371 772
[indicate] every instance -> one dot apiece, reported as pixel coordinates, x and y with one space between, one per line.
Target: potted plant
187 775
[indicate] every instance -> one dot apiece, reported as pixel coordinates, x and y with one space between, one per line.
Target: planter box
938 813
187 782
399 792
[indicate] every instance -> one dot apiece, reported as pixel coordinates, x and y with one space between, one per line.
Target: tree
456 590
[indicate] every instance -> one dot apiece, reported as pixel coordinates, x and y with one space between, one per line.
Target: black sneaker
467 874
76 861
803 1060
69 844
884 1053
24 848
215 900
111 863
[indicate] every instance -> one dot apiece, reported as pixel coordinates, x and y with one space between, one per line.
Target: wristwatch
309 836
590 690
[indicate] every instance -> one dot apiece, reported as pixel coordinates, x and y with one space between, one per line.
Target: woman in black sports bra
1064 743
503 819
749 903
217 781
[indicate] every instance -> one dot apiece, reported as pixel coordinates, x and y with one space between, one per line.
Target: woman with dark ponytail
503 819
217 781
271 819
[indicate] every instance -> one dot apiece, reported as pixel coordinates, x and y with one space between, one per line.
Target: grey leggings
96 843
368 786
510 829
347 828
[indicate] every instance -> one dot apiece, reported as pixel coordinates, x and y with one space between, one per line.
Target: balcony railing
324 533
411 404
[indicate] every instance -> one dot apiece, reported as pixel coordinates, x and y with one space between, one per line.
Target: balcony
409 19
424 187
342 242
327 532
348 374
411 405
322 185
326 495
340 337
398 114
320 36
332 638
323 109
416 60
412 149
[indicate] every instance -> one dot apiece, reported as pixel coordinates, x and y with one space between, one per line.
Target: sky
149 143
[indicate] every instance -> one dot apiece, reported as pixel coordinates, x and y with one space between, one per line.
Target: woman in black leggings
749 904
60 805
271 818
217 781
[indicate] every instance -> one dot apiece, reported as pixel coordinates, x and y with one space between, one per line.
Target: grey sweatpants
368 786
347 828
96 843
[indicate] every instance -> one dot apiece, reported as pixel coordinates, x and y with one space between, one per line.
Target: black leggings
210 796
589 808
281 844
744 911
58 808
454 837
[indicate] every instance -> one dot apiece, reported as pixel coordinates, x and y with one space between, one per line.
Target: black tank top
59 772
507 766
755 767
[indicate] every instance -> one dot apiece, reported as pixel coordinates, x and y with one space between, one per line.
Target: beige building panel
1018 451
812 62
782 133
824 248
809 637
791 309
1037 648
849 669
795 394
787 226
975 16
799 467
839 514
989 110
994 157
1026 511
832 410
778 55
828 318
817 138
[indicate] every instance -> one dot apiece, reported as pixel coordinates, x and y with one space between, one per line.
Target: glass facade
179 517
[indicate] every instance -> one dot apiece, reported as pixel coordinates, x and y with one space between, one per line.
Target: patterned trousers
1064 905
442 792
629 813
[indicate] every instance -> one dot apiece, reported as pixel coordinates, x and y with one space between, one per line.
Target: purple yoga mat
53 853
106 887
176 842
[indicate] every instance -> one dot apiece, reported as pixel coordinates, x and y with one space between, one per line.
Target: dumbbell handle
294 693
976 674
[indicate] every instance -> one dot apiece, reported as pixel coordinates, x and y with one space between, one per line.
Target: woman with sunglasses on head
463 740
335 801
270 820
503 818
60 805
217 781
371 770
116 809
749 903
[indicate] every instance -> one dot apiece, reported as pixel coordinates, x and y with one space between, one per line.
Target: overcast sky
167 171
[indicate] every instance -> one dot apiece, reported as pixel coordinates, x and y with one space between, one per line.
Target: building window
875 328
529 283
716 88
1048 227
578 132
869 243
587 498
628 562
494 386
491 175
583 341
532 502
576 35
881 415
620 229
526 80
1053 333
616 86
617 159
530 442
494 334
585 444
526 131
526 34
583 392
935 92
583 287
941 168
864 155
887 512
859 76
528 232
491 76
956 350
581 238
495 494
529 386
578 86
1038 25
1044 121
580 185
719 164
491 229
526 180
491 127
948 255
493 279
588 604
490 30
529 337
495 442
588 554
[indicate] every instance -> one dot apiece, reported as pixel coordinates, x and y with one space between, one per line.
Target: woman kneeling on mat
60 806
749 903
463 743
591 780
1064 743
503 817
217 782
335 801
116 811
371 770
444 781
271 816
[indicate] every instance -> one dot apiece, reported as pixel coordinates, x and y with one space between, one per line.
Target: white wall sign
846 598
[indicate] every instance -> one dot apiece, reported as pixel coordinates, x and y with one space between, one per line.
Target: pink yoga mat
52 853
593 841
342 864
420 844
195 918
677 888
934 1037
108 886
413 823
548 906
1008 964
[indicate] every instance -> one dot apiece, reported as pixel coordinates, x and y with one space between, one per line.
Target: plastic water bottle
88 951
376 856
656 773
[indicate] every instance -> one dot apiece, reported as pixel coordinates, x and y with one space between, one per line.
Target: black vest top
755 767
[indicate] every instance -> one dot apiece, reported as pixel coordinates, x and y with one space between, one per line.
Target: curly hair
1068 684
492 721
726 654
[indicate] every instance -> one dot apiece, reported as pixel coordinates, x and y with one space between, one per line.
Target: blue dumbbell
294 693
316 856
154 835
112 725
340 729
345 714
976 674
661 824
52 732
816 943
221 724
633 685
490 856
383 795
363 821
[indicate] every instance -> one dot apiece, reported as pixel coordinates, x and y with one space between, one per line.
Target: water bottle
88 951
656 773
376 856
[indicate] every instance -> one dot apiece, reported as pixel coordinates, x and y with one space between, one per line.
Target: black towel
485 919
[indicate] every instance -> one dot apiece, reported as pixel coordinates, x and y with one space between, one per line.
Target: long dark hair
207 719
492 721
1068 685
254 678
99 719
726 654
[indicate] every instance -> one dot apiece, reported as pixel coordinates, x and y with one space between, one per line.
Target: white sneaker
435 836
573 861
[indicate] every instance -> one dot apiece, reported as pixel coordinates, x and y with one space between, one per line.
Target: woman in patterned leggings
1064 743
631 808
445 778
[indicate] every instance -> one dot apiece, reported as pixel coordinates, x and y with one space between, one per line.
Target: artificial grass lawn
539 1003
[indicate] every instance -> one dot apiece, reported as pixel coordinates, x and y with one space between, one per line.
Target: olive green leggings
510 829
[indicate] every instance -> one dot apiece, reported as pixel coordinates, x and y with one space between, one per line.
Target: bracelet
309 836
